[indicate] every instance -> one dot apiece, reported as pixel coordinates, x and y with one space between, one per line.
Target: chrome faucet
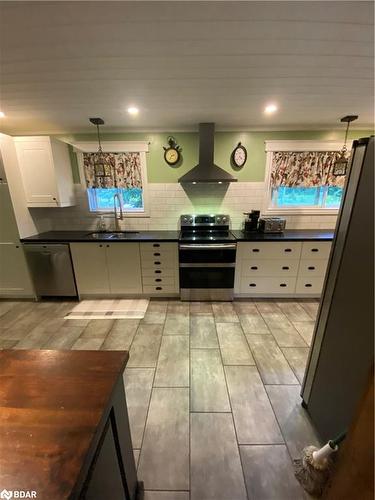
116 216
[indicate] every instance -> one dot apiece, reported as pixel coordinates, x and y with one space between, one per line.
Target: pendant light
340 165
99 165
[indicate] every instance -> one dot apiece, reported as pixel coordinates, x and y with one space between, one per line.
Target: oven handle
210 246
211 264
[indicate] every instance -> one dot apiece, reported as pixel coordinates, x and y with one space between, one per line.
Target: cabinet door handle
159 288
308 285
254 267
252 284
255 249
157 263
158 280
287 250
156 254
100 246
156 245
315 249
311 268
285 268
283 285
17 246
157 271
107 246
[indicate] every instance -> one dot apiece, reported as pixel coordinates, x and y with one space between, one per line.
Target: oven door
210 253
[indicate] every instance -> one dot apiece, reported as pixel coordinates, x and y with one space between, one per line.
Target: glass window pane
132 199
102 199
334 196
297 197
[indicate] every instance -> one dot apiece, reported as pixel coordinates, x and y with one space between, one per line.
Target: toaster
272 224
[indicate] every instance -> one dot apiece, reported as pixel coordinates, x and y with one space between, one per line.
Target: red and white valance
112 170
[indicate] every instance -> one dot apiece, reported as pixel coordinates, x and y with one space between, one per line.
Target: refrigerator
342 350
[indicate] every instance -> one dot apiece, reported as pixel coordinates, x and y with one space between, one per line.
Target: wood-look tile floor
213 389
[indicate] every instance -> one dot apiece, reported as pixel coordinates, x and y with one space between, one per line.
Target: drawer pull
285 268
308 285
157 271
156 254
252 284
315 249
158 280
254 267
311 268
287 250
157 263
155 245
255 249
283 285
158 288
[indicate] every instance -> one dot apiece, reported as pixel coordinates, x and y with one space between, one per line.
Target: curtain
305 169
112 170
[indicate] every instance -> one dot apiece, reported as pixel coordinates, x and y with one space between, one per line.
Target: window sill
301 211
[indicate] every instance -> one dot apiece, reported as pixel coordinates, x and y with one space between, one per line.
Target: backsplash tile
168 201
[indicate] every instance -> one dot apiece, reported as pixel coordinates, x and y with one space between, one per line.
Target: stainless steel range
207 257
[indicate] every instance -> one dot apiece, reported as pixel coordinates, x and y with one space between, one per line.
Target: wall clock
239 156
172 153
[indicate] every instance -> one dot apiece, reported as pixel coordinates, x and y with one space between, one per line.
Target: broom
315 466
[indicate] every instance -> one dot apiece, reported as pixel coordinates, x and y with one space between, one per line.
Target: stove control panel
204 220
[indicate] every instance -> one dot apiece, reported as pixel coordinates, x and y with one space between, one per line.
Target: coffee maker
251 222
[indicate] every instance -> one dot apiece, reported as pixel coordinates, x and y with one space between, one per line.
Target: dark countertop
83 236
287 235
54 405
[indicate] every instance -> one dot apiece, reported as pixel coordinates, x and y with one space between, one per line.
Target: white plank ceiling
185 62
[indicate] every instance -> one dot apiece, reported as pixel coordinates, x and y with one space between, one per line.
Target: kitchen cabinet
14 275
45 170
159 262
107 268
273 269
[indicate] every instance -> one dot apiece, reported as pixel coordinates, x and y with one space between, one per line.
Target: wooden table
64 429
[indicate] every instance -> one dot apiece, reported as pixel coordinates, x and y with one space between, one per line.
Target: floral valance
111 170
305 168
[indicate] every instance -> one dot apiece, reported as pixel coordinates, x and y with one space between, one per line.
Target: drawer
154 247
271 268
275 285
316 249
313 285
270 250
168 262
159 289
154 280
312 267
155 272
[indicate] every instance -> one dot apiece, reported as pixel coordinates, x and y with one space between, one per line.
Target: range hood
206 170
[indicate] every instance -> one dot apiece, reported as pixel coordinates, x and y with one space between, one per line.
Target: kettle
251 222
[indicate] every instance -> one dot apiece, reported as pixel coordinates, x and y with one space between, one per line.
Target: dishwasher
51 269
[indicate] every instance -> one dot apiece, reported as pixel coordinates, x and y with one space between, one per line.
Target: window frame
298 146
140 147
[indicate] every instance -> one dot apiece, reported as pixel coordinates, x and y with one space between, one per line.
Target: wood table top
52 405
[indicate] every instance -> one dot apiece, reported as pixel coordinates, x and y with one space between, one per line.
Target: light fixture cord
100 145
346 136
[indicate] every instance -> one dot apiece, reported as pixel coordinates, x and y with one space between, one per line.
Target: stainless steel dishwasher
51 269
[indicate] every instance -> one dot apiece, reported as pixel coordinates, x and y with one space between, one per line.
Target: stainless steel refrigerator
342 351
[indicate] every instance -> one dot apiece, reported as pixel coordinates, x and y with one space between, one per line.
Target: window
301 181
121 170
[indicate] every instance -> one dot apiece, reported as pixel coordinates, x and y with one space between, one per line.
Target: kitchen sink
111 235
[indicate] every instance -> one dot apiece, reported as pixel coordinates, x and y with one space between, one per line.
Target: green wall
159 171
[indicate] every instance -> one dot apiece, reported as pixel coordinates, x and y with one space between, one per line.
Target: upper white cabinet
46 171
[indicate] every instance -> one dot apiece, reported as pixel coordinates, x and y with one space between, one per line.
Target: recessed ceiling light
270 108
2 114
132 110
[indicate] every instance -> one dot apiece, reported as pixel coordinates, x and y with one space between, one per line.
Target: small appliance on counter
251 222
272 224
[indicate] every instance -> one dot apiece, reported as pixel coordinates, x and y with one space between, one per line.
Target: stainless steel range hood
206 170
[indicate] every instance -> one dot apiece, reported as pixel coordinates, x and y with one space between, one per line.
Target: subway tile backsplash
168 201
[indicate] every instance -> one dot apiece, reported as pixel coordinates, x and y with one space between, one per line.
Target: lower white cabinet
15 280
281 268
160 275
107 268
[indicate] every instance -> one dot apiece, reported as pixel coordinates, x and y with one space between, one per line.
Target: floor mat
109 309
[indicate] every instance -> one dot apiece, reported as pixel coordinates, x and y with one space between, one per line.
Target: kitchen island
64 431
